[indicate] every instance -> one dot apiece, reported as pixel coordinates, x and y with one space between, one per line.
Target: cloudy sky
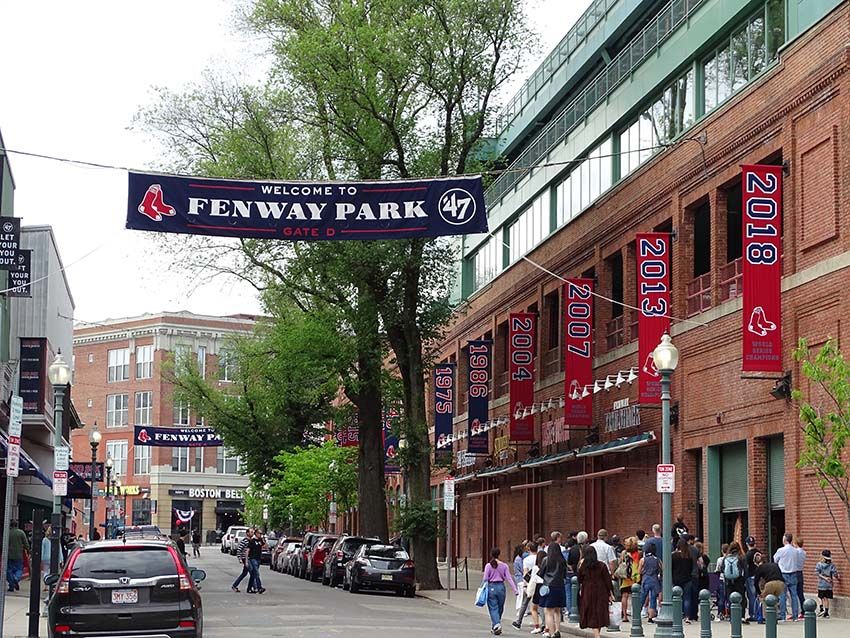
74 75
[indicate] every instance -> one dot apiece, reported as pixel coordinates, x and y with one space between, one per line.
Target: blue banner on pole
444 401
306 210
391 465
480 354
176 437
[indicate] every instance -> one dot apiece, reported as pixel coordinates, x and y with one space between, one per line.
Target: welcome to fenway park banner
480 355
578 352
653 294
444 409
176 437
762 268
521 331
306 210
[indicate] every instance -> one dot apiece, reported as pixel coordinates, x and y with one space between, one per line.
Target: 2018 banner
521 332
480 355
762 268
578 352
391 465
175 437
444 410
306 210
653 294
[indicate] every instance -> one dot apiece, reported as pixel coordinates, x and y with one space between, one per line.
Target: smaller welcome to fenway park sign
176 437
306 210
555 431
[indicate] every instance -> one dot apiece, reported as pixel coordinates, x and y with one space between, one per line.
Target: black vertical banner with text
480 354
444 410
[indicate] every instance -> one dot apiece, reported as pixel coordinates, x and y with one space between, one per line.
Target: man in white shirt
787 558
604 552
528 564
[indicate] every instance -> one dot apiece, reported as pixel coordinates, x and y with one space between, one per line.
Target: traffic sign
665 478
61 458
449 494
16 416
60 483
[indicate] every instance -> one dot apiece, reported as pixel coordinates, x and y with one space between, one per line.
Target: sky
73 76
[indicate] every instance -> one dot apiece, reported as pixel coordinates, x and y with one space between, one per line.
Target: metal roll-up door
733 477
776 472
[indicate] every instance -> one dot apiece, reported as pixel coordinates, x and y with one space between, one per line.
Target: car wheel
354 587
410 592
332 579
325 580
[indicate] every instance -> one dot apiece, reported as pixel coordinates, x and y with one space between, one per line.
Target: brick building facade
735 446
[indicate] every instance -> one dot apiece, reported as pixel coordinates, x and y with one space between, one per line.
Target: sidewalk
15 619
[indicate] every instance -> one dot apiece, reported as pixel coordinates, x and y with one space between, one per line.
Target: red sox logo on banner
653 294
521 331
578 352
762 268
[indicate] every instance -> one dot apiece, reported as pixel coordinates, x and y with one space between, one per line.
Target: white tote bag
616 614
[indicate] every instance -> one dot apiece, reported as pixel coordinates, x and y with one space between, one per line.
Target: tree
825 419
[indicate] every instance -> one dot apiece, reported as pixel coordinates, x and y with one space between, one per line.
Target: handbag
616 614
481 595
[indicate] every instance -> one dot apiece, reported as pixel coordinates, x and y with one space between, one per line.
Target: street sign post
665 478
449 494
61 458
449 507
16 411
60 482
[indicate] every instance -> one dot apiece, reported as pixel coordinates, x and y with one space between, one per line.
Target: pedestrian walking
596 592
18 545
196 543
553 591
571 555
628 573
683 566
786 557
800 566
539 627
604 552
650 581
241 554
255 553
734 572
496 573
526 583
827 575
45 561
722 598
519 553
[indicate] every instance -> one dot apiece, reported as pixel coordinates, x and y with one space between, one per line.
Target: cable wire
55 272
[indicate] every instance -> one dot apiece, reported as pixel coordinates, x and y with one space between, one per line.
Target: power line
55 272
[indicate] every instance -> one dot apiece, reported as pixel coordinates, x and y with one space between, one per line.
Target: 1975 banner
480 353
653 294
578 352
762 268
306 210
521 329
444 402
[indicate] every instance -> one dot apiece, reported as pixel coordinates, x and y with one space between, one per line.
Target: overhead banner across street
521 330
762 268
176 437
578 352
306 210
480 354
653 294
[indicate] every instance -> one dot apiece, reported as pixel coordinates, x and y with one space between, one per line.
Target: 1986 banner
762 268
306 210
578 351
444 402
521 330
479 353
653 294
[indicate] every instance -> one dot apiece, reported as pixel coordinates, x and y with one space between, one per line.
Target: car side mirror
198 575
51 579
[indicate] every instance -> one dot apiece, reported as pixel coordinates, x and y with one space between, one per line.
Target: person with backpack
734 573
722 599
628 573
649 569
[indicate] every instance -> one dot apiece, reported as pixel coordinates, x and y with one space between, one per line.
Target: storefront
205 509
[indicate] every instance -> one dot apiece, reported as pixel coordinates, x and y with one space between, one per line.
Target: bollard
705 614
810 620
611 626
769 607
735 614
677 631
574 616
637 627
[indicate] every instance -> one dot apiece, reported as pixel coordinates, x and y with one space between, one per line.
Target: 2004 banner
306 210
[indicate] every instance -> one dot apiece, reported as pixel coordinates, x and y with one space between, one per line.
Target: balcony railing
730 279
698 293
644 44
551 362
614 333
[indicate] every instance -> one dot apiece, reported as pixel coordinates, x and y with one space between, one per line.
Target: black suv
141 587
342 552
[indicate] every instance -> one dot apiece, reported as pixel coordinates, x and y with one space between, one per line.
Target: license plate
386 576
125 596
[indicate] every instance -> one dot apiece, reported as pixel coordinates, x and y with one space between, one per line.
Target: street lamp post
117 489
94 441
59 375
106 500
666 358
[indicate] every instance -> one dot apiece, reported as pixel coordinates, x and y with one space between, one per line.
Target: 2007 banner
306 210
578 352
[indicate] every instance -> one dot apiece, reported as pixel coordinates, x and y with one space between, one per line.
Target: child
826 573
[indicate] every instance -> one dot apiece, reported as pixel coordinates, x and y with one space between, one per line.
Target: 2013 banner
480 355
653 295
578 352
762 268
521 332
175 437
444 410
306 210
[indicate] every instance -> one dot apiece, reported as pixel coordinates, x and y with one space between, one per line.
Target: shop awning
464 478
28 467
549 459
496 471
596 475
623 444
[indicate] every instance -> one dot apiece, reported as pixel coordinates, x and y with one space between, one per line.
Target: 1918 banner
578 352
762 268
653 294
444 401
521 331
306 210
480 353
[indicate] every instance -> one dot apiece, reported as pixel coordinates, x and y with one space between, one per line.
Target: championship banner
306 210
521 332
578 352
444 410
176 437
348 435
653 295
391 465
480 354
20 275
762 268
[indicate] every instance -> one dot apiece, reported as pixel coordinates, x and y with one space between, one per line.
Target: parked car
316 557
342 552
289 557
280 547
381 567
111 588
228 537
238 535
300 567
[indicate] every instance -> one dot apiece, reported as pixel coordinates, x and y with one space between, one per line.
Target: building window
226 462
198 453
91 357
144 408
202 361
117 410
180 459
141 511
117 451
141 459
119 365
144 362
182 353
585 183
225 366
181 413
487 262
529 229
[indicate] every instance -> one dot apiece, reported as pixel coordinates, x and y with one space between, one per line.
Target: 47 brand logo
457 206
